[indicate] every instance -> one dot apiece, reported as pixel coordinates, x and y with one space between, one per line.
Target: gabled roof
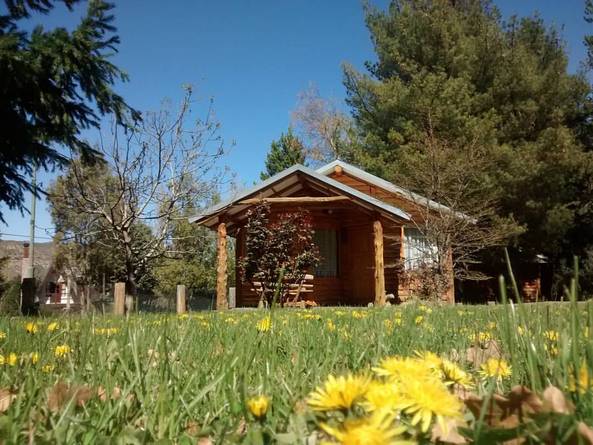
386 185
283 181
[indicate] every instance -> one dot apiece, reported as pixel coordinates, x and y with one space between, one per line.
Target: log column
449 294
119 294
402 285
181 302
221 269
379 264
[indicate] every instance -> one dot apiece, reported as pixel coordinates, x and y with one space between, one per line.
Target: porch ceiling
288 183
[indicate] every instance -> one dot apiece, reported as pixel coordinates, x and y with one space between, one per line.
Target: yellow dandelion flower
403 368
427 400
377 429
264 325
2 360
398 321
552 349
52 326
331 326
34 357
454 375
431 360
497 368
12 359
551 335
382 397
2 335
62 351
31 328
425 309
258 406
339 393
480 337
582 382
419 319
47 368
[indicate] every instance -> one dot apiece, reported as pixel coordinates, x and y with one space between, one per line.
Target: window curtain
327 242
418 250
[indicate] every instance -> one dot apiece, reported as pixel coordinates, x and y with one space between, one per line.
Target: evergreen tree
54 84
457 69
285 152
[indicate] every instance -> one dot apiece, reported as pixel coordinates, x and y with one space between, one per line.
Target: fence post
119 296
181 303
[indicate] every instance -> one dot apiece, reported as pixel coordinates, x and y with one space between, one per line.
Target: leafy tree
458 68
85 251
284 153
326 131
150 175
10 299
279 251
55 83
191 259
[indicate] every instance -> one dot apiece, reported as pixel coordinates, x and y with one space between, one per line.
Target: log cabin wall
354 283
379 193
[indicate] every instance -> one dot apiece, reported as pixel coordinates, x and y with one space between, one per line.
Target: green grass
182 377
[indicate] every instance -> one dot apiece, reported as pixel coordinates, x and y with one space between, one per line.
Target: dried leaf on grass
505 411
555 401
62 393
115 394
479 354
6 399
450 434
586 433
192 428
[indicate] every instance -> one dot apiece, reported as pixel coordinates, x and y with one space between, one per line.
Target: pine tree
54 84
458 69
284 153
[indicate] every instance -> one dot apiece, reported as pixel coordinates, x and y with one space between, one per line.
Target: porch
359 237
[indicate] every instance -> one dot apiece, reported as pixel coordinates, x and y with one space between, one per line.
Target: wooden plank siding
386 196
354 284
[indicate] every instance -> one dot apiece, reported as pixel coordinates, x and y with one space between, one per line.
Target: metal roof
290 182
386 185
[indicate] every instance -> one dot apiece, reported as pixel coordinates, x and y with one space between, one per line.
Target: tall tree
155 171
326 131
285 152
505 83
54 84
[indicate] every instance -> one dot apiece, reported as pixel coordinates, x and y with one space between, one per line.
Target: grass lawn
196 378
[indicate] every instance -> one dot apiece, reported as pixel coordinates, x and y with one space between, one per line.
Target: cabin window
327 242
418 250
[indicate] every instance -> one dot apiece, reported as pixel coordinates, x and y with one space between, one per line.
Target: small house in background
366 229
51 283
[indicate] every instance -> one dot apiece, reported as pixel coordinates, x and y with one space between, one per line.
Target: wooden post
402 285
379 264
449 295
221 270
119 295
181 305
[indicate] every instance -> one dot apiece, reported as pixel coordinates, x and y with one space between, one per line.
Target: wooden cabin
365 228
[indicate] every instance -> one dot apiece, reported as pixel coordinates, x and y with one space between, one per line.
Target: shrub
279 251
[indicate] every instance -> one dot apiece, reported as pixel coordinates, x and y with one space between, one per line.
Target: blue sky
253 58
